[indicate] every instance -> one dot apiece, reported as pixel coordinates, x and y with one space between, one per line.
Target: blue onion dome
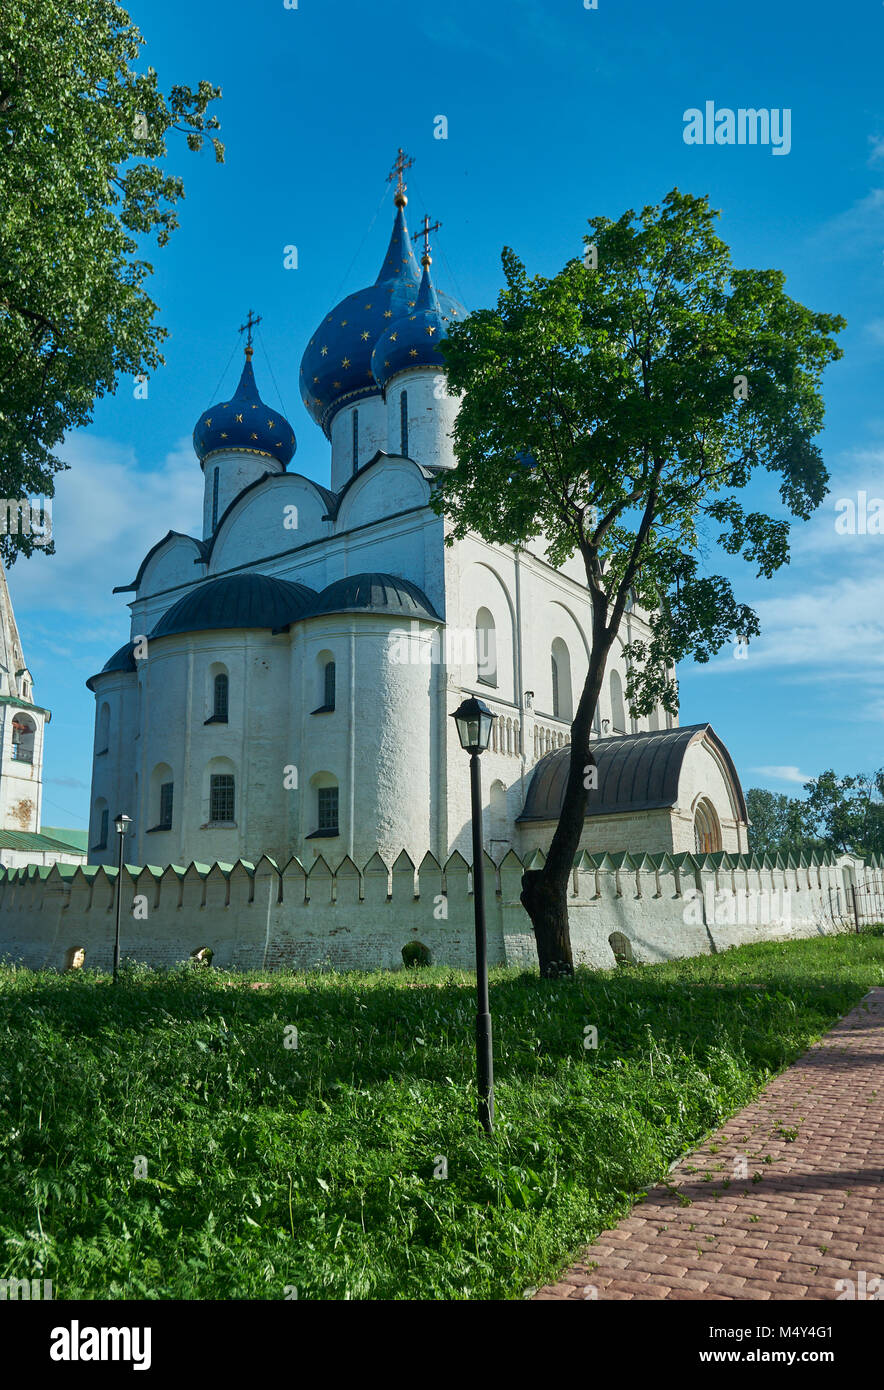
336 368
244 424
237 600
413 341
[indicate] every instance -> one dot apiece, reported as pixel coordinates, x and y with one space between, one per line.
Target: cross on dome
247 327
424 232
400 164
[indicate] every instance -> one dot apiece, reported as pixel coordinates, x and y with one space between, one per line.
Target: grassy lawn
270 1166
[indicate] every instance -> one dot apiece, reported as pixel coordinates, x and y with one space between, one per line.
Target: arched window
403 423
24 731
618 711
328 685
325 791
161 797
102 737
220 702
355 440
486 648
222 796
215 501
707 833
100 819
560 662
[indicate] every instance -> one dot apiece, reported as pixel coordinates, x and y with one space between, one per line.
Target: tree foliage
83 140
619 413
844 815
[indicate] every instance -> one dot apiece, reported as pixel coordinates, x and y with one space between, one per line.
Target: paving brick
809 1196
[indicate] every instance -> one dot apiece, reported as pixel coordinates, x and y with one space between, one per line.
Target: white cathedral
290 674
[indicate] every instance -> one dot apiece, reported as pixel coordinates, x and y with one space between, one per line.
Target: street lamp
121 825
473 721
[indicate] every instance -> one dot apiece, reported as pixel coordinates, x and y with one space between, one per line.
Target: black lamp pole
484 1057
474 720
121 825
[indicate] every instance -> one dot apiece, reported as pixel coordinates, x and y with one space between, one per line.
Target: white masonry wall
266 918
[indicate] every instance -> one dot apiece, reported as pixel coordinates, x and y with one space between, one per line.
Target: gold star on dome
336 384
413 352
223 435
411 303
393 337
364 334
329 319
345 362
253 436
386 362
388 313
430 331
238 420
270 424
368 306
343 323
323 352
279 443
315 380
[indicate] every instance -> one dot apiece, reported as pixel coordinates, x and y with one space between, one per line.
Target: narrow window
618 711
355 440
222 687
328 808
166 806
223 801
328 694
486 648
403 424
102 831
215 500
555 686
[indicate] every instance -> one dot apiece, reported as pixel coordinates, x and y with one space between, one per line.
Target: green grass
269 1167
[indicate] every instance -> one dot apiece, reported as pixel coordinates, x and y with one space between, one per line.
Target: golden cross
247 327
400 164
425 233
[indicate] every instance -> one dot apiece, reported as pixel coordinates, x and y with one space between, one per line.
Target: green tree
849 810
605 413
82 138
781 824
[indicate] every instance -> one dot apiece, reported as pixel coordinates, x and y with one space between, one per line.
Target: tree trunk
546 903
544 894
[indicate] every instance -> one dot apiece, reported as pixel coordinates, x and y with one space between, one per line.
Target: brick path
815 1217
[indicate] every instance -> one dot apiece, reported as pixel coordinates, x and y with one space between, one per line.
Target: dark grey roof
374 593
237 600
122 660
636 772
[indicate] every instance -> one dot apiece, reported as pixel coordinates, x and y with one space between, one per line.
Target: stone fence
260 916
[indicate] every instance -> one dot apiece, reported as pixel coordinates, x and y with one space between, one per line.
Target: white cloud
106 515
877 144
783 774
875 330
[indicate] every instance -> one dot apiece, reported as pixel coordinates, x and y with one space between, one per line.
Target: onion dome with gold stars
336 369
244 424
412 341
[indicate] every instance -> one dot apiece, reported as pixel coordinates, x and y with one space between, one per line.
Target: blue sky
555 114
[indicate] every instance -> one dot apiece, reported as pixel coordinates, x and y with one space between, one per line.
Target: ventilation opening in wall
415 955
622 948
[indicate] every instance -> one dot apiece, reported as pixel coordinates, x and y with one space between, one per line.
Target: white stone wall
266 918
371 436
21 783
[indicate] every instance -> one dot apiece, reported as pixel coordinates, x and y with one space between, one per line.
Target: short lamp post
473 721
121 825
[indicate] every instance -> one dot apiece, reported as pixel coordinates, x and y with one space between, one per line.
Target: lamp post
473 720
121 825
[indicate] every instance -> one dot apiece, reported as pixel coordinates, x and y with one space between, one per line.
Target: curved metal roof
237 600
122 660
636 772
374 593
